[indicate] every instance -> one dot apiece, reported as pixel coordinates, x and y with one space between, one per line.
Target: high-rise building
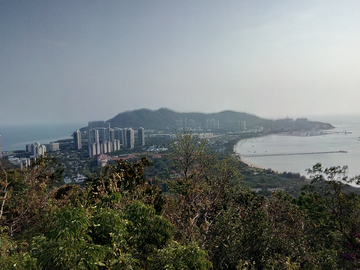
242 125
106 140
0 148
93 142
141 136
93 136
103 134
116 145
186 122
94 149
119 135
111 134
103 147
210 123
125 136
77 140
36 149
54 146
130 138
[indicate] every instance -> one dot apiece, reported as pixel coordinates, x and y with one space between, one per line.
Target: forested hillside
203 219
165 118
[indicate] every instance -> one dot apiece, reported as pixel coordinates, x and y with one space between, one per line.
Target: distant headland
164 118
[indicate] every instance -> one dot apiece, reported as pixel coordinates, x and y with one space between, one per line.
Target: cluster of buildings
35 150
211 124
289 124
103 139
22 162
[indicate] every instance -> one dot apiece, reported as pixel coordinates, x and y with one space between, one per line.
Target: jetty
292 154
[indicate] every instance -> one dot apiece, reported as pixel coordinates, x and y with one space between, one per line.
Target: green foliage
13 254
332 213
120 220
188 154
68 245
177 257
24 196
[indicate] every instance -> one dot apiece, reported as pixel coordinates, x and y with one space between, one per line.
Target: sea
343 142
15 137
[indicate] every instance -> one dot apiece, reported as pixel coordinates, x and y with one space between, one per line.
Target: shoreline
21 146
250 164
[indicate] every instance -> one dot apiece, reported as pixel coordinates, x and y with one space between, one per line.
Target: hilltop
164 118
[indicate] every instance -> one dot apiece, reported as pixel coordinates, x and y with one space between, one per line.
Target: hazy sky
74 61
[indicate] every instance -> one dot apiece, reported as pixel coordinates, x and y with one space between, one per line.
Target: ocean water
338 140
15 137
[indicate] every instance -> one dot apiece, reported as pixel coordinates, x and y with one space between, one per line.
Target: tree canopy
203 219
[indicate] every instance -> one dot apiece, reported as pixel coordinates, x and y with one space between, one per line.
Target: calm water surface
15 137
274 144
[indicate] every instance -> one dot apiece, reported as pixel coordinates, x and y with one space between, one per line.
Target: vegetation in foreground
205 220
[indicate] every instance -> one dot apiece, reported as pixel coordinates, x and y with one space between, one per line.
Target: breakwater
293 154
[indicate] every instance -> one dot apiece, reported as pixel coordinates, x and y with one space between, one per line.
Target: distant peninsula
165 118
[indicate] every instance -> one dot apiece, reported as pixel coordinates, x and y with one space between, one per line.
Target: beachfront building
36 149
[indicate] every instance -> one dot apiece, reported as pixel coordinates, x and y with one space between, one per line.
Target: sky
76 61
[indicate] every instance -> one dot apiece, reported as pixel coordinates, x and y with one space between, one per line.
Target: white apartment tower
125 138
242 125
77 140
141 136
130 138
93 142
93 136
36 149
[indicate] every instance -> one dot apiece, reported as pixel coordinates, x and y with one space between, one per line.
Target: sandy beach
252 164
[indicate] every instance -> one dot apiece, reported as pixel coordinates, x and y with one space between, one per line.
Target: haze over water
15 137
275 144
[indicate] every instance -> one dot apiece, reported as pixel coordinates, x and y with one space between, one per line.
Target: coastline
250 164
283 143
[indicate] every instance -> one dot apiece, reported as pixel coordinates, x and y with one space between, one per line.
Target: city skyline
270 59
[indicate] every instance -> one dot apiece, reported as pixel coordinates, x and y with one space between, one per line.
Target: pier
292 154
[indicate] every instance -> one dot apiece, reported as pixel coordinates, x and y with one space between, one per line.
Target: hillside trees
25 195
112 223
239 228
333 213
120 220
202 189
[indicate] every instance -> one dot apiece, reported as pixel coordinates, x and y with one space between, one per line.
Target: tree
201 190
333 213
25 195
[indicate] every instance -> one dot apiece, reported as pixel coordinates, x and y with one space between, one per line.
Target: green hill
164 118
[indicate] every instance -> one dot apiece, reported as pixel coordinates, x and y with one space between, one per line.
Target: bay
336 140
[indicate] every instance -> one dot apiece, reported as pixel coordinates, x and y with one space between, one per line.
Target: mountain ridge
164 118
